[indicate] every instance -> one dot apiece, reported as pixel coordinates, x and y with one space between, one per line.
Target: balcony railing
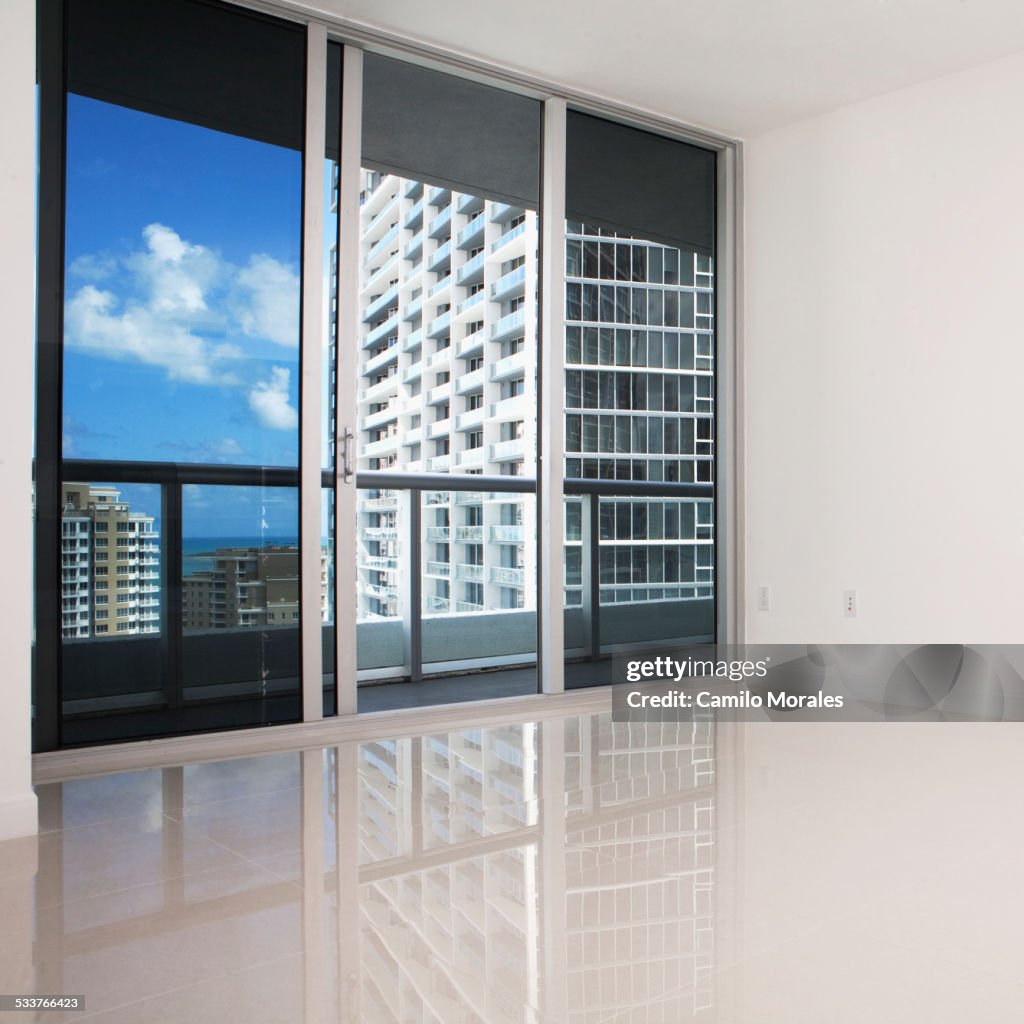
677 612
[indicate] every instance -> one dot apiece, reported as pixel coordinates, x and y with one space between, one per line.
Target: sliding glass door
306 319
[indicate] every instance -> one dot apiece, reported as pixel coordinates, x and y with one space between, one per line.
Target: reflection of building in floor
461 938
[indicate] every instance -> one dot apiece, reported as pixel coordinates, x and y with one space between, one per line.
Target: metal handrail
281 476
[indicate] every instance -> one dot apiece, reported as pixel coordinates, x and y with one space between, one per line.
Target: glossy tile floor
569 870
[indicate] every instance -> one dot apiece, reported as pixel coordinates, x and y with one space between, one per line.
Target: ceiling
741 67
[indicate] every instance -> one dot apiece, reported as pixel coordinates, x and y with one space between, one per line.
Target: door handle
346 455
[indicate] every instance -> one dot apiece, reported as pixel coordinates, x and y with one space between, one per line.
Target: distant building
248 587
110 565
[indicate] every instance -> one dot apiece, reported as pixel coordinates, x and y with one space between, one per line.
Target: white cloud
266 301
171 303
269 401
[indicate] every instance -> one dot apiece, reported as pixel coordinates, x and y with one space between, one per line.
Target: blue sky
182 301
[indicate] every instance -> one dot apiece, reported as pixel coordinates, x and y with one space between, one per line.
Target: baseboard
19 816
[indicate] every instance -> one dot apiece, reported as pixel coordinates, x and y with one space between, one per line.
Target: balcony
386 329
509 326
470 419
439 428
509 285
508 451
413 190
439 194
471 345
440 226
414 248
440 260
412 373
412 436
472 234
507 534
414 218
439 463
437 534
442 393
380 305
518 407
471 272
378 419
382 246
511 366
469 573
438 569
508 577
471 458
412 341
378 392
469 534
379 361
439 324
466 305
469 382
469 204
440 286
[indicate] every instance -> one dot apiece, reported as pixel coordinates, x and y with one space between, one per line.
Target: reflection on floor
572 870
454 689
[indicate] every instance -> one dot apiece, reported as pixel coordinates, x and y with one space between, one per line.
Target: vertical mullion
311 362
349 159
550 513
49 331
172 528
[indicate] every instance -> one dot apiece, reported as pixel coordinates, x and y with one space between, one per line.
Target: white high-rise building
447 367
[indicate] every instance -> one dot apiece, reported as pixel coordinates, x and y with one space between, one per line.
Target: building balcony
508 451
510 410
378 392
440 226
471 345
507 577
412 341
509 285
433 603
470 458
471 272
469 534
386 329
439 428
509 367
411 437
414 218
380 532
381 247
468 304
438 569
442 393
379 305
439 324
439 463
509 326
469 573
437 534
377 363
413 373
413 189
412 309
469 382
472 234
378 419
501 213
507 534
440 260
414 248
438 194
469 204
440 359
470 419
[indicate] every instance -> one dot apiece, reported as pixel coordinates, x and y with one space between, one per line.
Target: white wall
17 299
885 367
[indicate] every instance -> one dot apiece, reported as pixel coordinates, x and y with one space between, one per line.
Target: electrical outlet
764 599
850 604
